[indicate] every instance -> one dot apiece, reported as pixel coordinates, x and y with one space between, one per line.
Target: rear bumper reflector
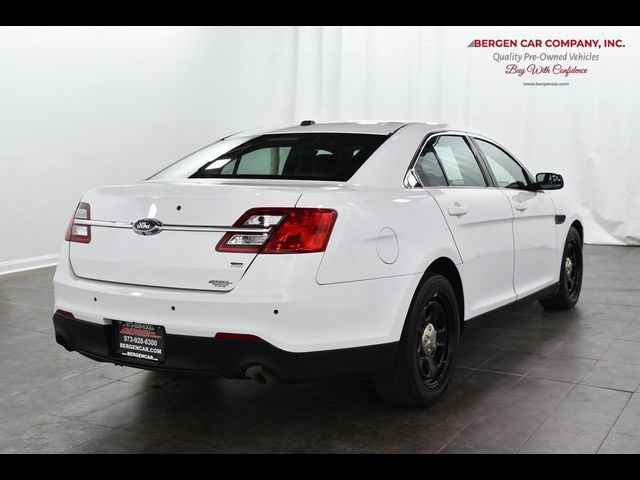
237 336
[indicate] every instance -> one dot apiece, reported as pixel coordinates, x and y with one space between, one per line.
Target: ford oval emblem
147 226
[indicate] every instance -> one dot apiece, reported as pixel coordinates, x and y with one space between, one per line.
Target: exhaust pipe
258 374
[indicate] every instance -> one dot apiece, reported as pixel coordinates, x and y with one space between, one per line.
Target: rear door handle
521 207
458 211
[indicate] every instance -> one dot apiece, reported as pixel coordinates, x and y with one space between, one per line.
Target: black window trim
473 137
486 174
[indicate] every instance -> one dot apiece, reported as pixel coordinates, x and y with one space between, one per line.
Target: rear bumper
228 358
277 300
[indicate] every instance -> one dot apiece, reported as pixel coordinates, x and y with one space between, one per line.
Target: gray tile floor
530 382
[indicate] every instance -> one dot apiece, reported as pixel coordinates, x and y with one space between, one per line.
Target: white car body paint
355 293
484 237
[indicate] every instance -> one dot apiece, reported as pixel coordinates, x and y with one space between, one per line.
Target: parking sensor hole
173 308
275 312
179 207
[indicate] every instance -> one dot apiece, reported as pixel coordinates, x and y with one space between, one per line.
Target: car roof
371 128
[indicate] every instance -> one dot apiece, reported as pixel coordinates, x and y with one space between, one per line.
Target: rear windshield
307 156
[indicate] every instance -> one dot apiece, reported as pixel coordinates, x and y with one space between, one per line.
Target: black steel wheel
434 347
570 275
426 354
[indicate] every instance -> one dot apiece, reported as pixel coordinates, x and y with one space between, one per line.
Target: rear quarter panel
381 233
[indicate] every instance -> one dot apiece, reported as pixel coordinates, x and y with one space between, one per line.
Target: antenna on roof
307 123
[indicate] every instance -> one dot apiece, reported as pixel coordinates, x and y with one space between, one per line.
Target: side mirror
549 181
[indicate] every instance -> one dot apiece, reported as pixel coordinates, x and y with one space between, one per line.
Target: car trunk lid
183 254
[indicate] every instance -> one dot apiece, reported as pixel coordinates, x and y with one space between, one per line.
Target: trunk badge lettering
220 283
147 226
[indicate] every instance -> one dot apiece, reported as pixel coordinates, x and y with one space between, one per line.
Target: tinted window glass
458 162
505 169
265 161
320 156
428 168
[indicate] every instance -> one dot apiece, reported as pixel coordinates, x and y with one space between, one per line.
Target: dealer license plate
139 341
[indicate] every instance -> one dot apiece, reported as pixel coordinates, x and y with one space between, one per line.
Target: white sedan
314 252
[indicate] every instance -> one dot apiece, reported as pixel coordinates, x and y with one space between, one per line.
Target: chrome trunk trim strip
176 228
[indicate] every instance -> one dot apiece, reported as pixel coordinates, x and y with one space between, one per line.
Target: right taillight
298 230
304 230
76 232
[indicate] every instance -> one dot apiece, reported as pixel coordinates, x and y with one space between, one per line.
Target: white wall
81 107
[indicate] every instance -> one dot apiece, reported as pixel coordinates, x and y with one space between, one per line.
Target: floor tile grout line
144 390
608 388
626 341
457 434
497 372
104 385
491 357
546 418
479 368
625 328
536 366
610 304
124 379
565 381
595 362
614 423
608 350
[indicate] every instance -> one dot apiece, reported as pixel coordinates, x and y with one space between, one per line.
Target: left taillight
76 231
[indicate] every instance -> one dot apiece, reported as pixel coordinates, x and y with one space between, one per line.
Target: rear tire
570 275
427 350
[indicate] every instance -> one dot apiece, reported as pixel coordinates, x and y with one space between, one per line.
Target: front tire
570 275
427 350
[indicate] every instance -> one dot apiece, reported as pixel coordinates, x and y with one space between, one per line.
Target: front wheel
570 275
426 354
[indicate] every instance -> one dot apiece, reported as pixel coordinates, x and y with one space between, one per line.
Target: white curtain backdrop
87 106
81 107
587 131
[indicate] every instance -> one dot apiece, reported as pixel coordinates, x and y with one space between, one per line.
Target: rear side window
456 160
317 156
428 168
